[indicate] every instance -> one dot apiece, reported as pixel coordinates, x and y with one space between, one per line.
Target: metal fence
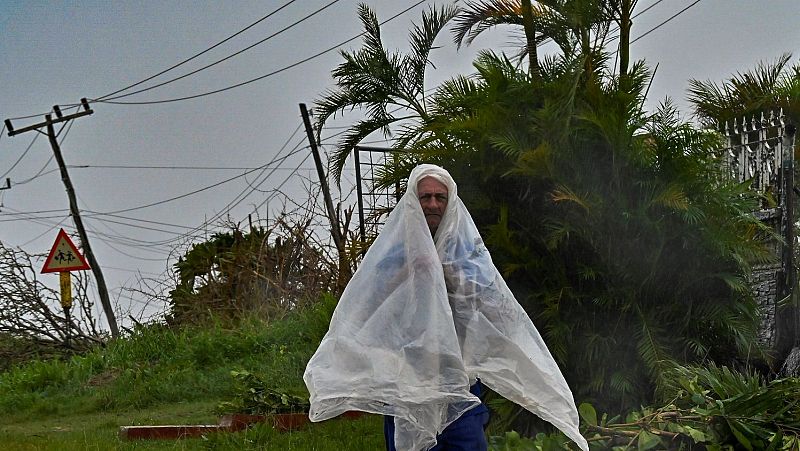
761 150
755 150
374 203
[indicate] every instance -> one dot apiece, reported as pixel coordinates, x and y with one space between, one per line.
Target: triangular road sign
64 256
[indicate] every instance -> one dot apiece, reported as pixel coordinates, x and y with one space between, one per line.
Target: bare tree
31 310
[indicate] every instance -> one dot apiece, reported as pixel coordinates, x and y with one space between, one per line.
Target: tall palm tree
578 27
389 86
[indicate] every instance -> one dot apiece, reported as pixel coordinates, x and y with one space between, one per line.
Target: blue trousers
464 434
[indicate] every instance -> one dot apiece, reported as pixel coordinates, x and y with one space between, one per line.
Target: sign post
63 258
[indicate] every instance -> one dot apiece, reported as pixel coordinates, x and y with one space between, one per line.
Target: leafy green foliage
174 375
160 364
265 271
511 441
256 397
616 229
714 408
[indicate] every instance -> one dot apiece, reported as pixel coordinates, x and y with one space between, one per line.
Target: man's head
433 196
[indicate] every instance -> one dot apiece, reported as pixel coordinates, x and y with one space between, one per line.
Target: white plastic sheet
420 320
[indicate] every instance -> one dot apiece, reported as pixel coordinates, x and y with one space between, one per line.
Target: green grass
170 376
98 431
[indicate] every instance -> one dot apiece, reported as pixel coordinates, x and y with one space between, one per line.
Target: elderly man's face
433 199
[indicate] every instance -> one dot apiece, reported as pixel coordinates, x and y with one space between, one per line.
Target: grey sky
56 52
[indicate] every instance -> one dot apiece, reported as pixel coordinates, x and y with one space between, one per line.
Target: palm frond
564 193
422 38
477 17
354 135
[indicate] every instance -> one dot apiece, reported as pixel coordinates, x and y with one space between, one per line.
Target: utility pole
336 233
73 203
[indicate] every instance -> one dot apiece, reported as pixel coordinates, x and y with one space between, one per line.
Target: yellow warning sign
64 256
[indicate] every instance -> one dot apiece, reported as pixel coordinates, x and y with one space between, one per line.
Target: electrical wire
188 168
276 190
45 232
40 211
135 271
201 53
52 226
23 217
666 21
144 244
97 214
238 199
290 26
27 149
30 116
252 80
205 188
40 173
208 187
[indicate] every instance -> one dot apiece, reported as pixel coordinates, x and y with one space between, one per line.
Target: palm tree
771 86
578 27
389 86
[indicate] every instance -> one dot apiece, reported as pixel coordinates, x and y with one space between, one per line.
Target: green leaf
777 438
697 435
740 436
647 440
698 399
588 414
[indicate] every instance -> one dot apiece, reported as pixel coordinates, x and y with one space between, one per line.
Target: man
426 315
465 433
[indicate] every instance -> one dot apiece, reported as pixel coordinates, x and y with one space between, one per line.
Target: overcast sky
56 52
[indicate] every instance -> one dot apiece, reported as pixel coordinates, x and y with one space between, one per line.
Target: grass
98 431
160 375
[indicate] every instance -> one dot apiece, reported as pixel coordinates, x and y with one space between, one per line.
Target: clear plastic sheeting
420 320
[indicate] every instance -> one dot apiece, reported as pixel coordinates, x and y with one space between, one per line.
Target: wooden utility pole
626 8
336 233
73 203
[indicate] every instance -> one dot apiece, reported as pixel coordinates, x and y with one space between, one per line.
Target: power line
45 232
40 173
102 219
188 168
144 244
201 53
35 137
52 226
137 257
285 68
276 190
666 21
243 195
205 188
292 25
97 214
38 211
239 197
30 115
25 217
135 271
